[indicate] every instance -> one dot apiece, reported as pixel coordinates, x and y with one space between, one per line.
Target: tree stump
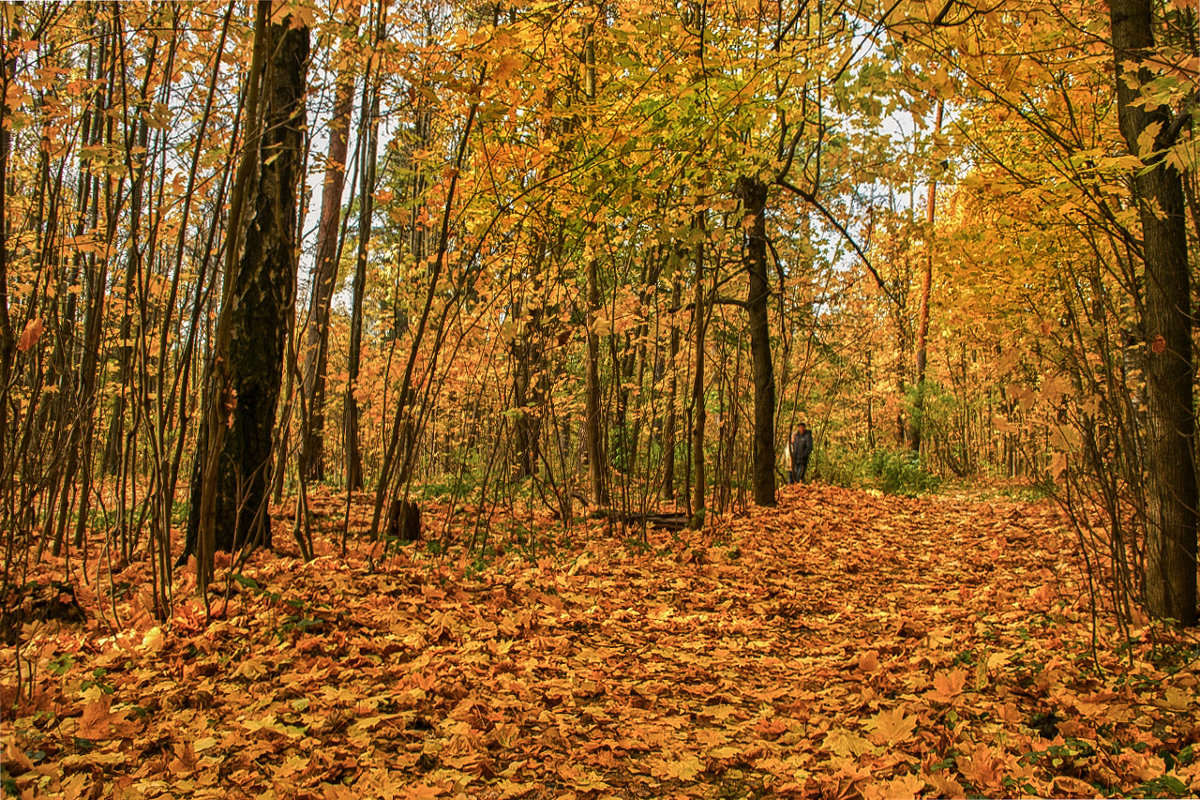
403 521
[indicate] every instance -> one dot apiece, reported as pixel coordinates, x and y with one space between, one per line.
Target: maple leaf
1175 699
944 785
1141 766
984 767
510 790
847 744
947 686
868 662
292 765
902 788
15 760
75 787
1043 596
1066 786
685 768
893 727
98 719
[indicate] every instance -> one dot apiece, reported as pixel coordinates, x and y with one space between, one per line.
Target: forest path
762 656
844 644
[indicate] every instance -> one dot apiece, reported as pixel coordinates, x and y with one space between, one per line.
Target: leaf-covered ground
842 645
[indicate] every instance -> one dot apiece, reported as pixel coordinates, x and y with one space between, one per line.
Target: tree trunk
699 321
1167 325
136 164
593 423
528 351
8 339
753 193
79 448
917 423
230 497
366 199
668 440
316 348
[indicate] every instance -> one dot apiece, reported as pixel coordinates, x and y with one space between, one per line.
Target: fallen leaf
947 685
1066 786
983 767
892 727
847 744
902 788
15 760
868 662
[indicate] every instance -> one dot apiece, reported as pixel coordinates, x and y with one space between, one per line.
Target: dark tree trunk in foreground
1167 326
257 307
753 193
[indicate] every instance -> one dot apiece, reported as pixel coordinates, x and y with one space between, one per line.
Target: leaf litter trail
842 645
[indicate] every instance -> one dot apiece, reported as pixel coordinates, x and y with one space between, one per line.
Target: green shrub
841 466
901 472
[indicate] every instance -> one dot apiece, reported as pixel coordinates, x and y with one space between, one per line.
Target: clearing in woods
845 644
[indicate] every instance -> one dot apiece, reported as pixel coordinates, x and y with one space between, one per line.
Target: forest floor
842 645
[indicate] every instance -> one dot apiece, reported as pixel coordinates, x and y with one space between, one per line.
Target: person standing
801 448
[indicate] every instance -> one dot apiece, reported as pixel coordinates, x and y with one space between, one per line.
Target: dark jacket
802 446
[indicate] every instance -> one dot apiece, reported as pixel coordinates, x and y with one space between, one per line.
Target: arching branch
825 212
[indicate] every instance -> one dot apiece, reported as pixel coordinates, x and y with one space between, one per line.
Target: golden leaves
893 727
847 744
947 686
684 769
659 672
984 767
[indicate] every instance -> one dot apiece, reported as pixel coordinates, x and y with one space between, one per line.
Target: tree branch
811 199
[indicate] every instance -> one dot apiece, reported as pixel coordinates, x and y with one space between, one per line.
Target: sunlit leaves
840 650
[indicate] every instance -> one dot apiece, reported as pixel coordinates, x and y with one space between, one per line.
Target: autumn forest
398 399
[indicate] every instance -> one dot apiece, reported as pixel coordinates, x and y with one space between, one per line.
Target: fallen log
669 522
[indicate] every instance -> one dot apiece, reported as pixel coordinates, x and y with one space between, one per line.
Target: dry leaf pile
844 645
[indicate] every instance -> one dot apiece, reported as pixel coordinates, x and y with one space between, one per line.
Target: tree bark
316 348
699 321
917 423
668 439
230 493
1170 571
593 423
366 199
753 193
